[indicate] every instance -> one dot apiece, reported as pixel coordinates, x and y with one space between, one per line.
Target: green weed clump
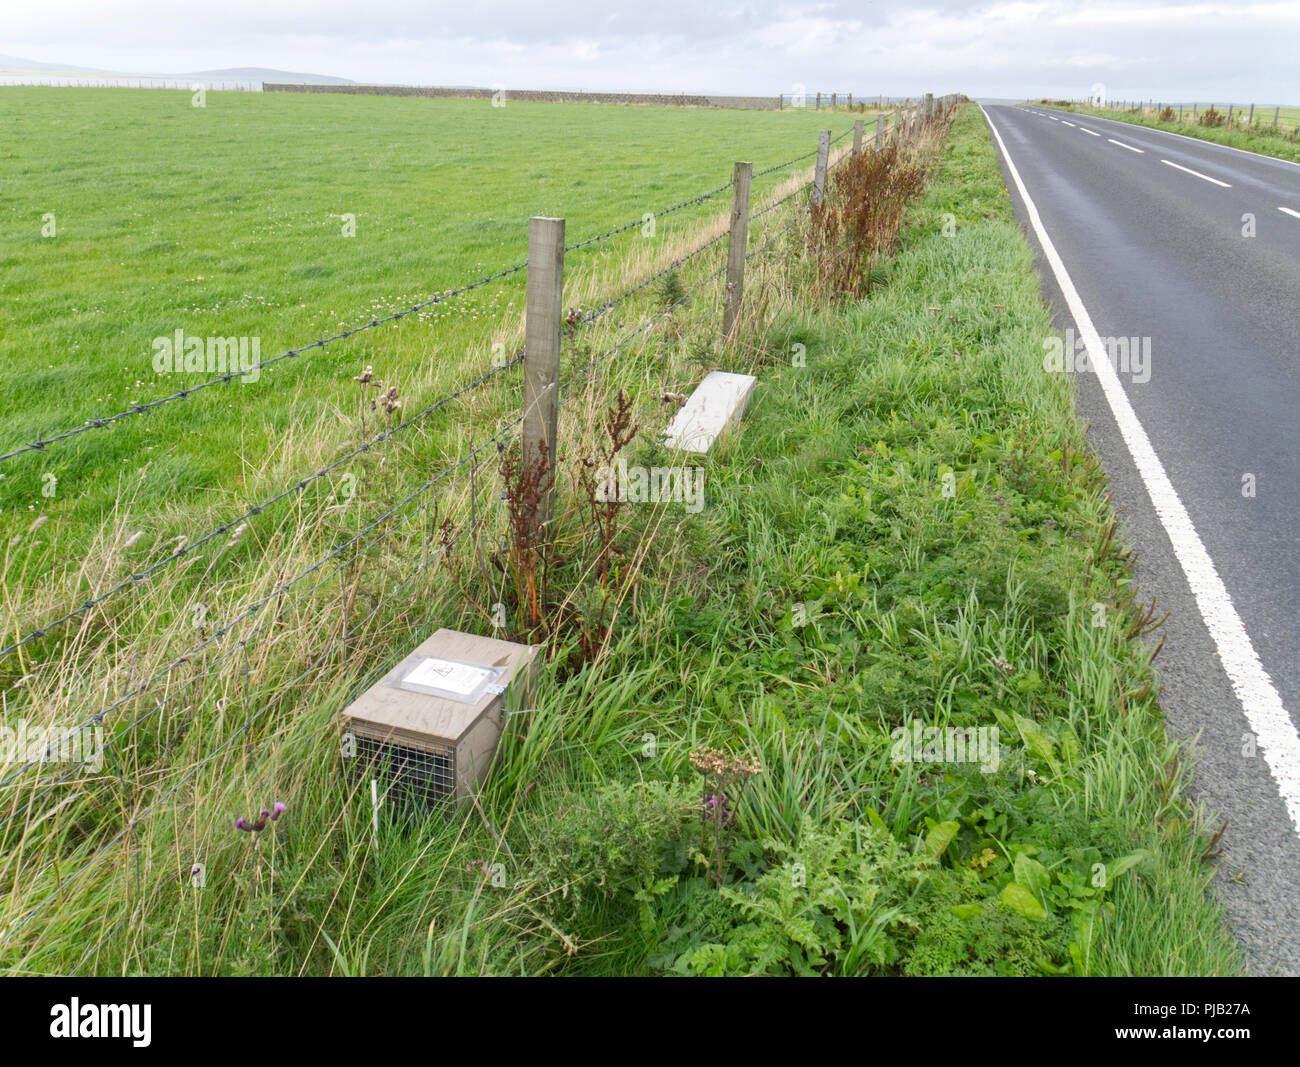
621 844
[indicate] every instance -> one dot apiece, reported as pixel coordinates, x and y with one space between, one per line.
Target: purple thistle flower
715 807
263 817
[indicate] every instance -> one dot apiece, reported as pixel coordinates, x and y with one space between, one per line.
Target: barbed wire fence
418 504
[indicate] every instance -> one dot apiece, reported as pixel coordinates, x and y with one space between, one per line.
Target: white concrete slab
718 402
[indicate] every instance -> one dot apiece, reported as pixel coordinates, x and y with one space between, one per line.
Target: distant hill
267 74
17 65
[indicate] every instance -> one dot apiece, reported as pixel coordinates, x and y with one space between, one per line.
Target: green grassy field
906 528
226 221
1259 137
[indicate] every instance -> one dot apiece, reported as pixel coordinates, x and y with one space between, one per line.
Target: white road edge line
1204 177
1141 151
1260 700
1290 211
1084 129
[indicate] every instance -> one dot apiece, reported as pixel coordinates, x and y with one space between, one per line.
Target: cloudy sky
1170 49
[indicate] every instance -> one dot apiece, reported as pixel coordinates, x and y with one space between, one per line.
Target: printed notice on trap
462 680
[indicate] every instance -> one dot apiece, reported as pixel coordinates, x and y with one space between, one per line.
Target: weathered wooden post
929 106
1275 114
880 131
1180 112
819 175
850 101
1250 119
898 125
543 310
834 97
736 246
819 100
857 138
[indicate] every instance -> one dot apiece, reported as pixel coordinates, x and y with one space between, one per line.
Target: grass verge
906 533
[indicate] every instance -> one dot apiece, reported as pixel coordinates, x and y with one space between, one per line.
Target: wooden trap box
429 728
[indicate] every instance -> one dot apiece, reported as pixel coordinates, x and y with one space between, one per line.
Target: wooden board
717 403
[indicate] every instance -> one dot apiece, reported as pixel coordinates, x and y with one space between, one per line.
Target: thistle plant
724 779
367 380
261 908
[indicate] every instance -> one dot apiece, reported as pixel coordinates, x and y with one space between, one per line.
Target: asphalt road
1195 247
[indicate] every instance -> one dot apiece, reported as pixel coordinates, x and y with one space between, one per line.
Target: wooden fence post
880 131
850 100
819 176
929 106
736 246
857 138
834 98
898 125
1275 113
543 311
819 101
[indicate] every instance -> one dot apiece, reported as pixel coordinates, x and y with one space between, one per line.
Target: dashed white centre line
1203 177
1290 211
1068 122
1140 151
1260 701
1084 129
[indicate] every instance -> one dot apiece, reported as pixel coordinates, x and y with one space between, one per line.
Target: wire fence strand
224 379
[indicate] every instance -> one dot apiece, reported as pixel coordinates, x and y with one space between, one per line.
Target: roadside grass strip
881 706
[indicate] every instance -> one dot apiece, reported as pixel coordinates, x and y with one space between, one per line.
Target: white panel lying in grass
719 401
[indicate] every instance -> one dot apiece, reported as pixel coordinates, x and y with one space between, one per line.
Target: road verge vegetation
880 705
1210 124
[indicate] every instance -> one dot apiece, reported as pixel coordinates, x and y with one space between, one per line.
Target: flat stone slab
718 402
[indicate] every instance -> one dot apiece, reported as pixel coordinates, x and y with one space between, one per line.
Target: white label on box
461 679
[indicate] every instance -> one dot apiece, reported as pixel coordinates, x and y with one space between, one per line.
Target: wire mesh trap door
413 779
